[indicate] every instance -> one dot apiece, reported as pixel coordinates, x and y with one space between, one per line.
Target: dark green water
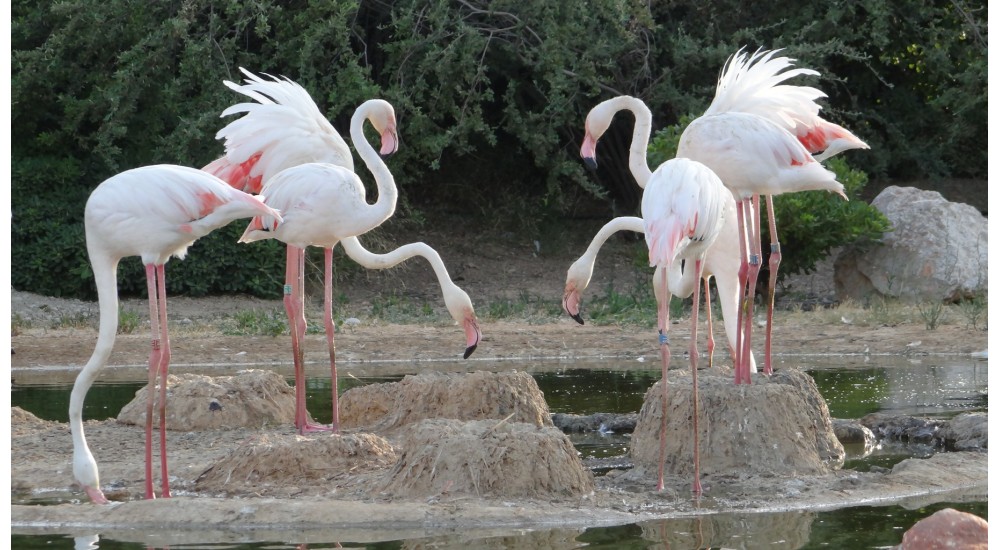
851 391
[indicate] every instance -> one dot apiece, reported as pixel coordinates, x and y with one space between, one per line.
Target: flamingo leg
773 261
296 319
751 285
741 220
159 358
708 319
163 367
693 353
663 317
328 321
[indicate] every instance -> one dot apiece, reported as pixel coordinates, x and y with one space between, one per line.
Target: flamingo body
153 212
683 215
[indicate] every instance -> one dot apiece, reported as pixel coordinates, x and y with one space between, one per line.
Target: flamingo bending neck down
323 204
154 212
683 214
456 300
721 261
285 129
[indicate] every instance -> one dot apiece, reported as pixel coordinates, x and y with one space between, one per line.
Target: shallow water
931 386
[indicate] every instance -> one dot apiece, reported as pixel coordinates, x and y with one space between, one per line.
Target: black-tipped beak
469 350
590 162
577 318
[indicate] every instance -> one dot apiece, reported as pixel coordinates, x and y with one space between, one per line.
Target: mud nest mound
382 408
487 458
249 399
779 425
277 464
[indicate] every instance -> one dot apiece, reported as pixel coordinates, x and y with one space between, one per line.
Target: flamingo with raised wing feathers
153 212
286 129
746 137
683 214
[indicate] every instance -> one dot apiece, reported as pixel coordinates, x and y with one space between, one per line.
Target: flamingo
284 129
683 214
721 260
759 136
154 212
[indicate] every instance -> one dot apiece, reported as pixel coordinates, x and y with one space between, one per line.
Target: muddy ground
46 350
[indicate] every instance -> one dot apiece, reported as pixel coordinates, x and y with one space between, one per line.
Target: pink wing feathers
284 128
753 84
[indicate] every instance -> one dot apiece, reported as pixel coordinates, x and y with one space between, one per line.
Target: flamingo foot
315 427
96 495
696 487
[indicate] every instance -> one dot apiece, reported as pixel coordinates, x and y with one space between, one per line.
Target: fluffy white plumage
154 212
682 210
283 129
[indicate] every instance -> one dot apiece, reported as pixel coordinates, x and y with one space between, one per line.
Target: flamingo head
598 121
460 307
577 278
383 118
85 472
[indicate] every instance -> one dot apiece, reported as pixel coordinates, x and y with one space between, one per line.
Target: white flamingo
284 129
759 137
722 258
153 212
683 215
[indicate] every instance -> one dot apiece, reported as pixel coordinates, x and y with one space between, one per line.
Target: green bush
490 95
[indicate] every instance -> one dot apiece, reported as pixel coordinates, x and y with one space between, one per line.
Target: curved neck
105 275
621 223
385 205
637 162
371 260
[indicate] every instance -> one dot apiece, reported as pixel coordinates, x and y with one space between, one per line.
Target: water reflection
860 527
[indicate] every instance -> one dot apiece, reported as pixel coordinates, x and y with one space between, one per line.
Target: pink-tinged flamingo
721 261
285 129
154 212
683 214
759 136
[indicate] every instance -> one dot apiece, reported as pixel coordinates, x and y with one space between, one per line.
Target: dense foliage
490 95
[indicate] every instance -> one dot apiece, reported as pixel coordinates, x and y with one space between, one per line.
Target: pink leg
164 366
773 261
296 319
663 317
328 319
708 318
159 361
696 486
754 269
154 363
741 224
295 308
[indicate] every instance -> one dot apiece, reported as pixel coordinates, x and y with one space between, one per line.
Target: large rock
936 250
779 425
947 528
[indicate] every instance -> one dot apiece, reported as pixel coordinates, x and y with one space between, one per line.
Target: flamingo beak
571 304
472 335
390 142
589 152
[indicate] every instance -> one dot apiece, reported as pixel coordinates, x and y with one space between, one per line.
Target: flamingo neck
105 275
385 204
637 162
